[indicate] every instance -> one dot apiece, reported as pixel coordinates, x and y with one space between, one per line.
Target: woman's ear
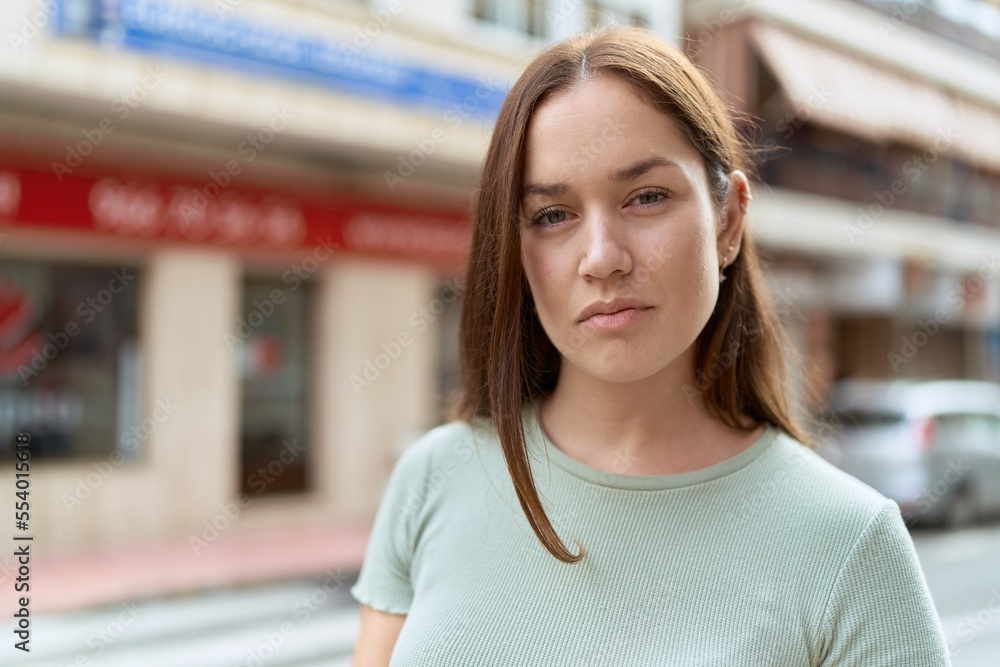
735 213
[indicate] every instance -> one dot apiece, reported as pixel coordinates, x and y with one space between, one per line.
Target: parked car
933 446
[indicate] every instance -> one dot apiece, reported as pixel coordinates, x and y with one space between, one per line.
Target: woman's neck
658 425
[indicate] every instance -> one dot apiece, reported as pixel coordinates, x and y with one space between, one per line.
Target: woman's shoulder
440 451
851 552
799 483
446 438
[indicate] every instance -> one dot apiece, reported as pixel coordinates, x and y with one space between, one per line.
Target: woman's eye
650 197
550 216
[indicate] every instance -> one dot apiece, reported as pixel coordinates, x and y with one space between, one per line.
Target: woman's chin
615 369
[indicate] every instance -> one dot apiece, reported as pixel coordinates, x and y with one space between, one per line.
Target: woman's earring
722 276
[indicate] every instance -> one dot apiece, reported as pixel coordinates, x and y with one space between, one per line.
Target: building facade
231 245
878 125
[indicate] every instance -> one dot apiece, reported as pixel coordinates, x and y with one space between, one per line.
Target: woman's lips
618 321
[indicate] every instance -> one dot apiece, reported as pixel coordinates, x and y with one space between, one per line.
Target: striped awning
865 99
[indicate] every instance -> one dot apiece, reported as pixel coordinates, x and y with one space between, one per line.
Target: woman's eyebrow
543 189
641 167
621 176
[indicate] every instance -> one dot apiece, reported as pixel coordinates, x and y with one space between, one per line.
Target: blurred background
232 235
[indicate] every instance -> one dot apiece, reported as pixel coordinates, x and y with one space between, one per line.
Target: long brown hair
506 357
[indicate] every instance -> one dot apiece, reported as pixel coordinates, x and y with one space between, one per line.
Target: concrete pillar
377 374
191 302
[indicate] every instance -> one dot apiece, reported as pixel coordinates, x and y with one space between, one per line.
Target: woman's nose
604 247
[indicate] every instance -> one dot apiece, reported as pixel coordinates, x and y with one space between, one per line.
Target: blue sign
160 27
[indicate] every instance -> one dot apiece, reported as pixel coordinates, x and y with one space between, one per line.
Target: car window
968 430
862 418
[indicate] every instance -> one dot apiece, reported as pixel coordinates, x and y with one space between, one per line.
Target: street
304 623
963 573
285 624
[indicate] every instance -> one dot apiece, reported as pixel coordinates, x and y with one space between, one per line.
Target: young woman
623 393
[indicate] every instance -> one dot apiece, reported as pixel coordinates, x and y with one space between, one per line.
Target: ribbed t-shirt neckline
535 434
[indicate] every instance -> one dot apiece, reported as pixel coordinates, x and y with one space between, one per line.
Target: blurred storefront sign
218 39
216 214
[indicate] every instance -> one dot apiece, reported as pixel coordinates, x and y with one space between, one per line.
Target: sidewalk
80 581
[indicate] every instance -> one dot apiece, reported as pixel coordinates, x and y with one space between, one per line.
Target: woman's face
616 205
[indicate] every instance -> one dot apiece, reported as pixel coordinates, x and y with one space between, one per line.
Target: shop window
68 360
274 360
959 190
984 187
919 176
78 18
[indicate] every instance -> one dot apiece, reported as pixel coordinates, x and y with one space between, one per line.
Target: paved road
963 573
314 623
296 624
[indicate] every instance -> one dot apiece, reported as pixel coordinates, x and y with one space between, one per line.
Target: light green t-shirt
773 557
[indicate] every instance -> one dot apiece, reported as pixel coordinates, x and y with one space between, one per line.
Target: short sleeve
384 582
880 612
